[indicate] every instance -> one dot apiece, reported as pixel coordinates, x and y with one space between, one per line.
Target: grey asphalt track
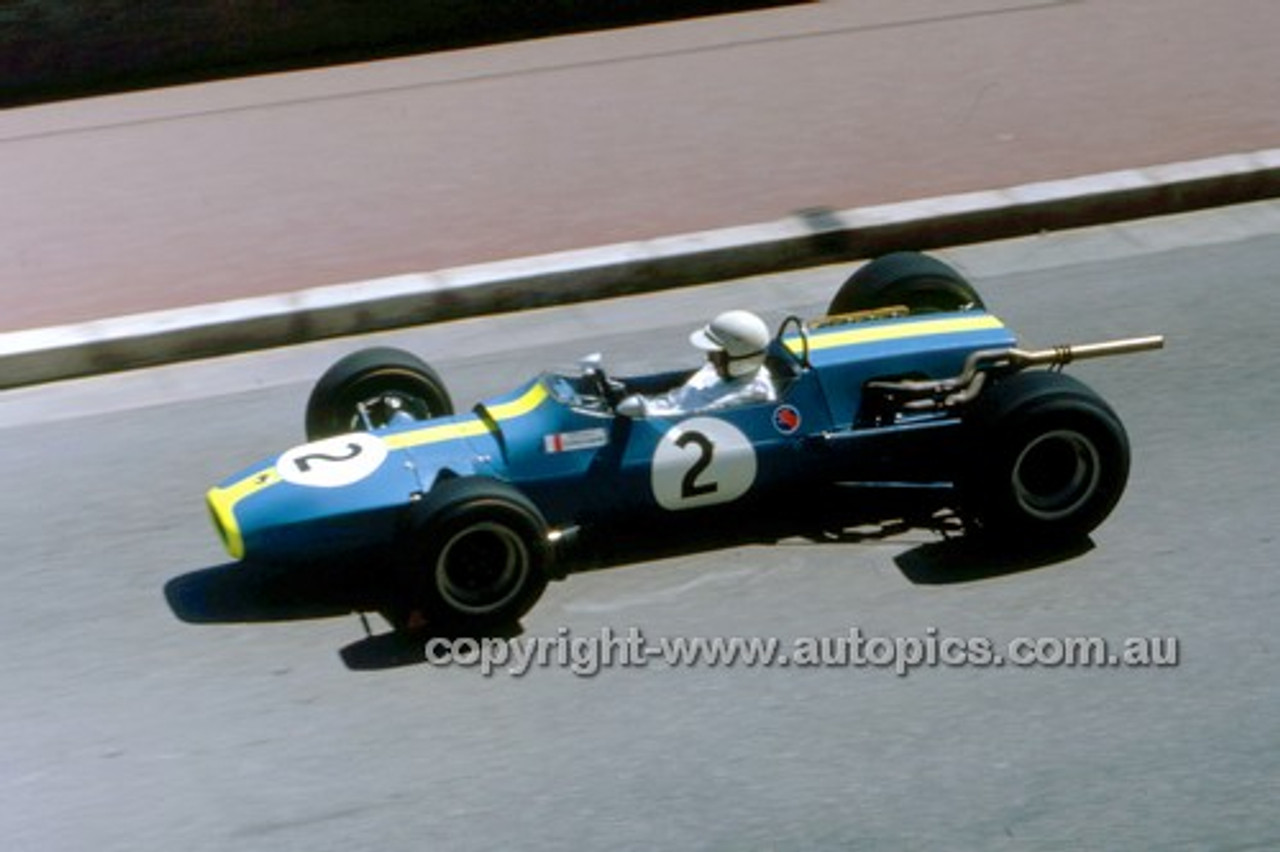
266 720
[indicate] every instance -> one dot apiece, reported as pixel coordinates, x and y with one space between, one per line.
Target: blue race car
907 383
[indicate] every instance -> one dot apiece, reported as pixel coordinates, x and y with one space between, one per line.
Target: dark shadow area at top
57 49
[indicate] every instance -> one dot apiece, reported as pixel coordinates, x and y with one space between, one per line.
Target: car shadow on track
248 592
963 560
392 650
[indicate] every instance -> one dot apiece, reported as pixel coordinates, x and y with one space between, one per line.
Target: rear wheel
478 556
921 283
378 386
1048 460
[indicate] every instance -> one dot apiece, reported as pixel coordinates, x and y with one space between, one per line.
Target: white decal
584 439
701 462
333 462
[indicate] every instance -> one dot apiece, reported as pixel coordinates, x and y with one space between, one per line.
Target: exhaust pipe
1060 356
926 394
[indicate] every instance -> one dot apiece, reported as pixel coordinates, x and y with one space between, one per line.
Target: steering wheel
803 358
607 389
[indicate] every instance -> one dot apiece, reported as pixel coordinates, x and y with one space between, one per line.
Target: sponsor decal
786 419
583 439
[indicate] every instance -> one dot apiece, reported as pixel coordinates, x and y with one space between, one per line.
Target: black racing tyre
386 381
921 283
1047 460
477 557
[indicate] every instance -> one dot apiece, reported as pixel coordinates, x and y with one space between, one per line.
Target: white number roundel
333 462
700 462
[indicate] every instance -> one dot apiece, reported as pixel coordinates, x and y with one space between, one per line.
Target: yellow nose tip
224 521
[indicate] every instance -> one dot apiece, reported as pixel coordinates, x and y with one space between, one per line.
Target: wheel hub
387 407
1056 473
480 568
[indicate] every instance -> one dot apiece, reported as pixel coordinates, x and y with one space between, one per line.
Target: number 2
304 462
702 461
689 485
333 462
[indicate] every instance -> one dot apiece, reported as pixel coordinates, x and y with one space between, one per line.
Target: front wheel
478 555
374 387
1048 461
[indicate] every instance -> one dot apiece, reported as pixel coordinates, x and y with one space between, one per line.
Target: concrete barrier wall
814 237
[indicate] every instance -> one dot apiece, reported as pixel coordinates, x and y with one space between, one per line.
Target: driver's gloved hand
632 406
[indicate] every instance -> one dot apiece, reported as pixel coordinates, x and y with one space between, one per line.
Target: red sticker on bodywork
786 419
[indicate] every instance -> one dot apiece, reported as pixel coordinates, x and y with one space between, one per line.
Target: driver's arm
759 389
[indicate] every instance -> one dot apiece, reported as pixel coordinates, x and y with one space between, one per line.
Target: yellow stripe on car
896 331
523 404
436 434
517 407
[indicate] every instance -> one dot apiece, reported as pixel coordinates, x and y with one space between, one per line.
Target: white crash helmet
740 335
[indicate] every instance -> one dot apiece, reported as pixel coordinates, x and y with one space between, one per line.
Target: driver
734 374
